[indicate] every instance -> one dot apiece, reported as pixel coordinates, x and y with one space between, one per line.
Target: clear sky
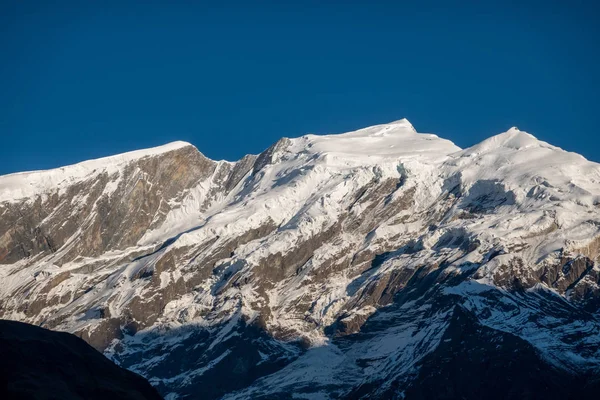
88 79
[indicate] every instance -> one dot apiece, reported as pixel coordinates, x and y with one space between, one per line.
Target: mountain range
380 263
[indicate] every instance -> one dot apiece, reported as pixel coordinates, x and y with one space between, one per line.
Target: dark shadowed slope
37 363
477 362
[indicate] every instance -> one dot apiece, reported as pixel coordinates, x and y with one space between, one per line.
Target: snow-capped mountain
380 263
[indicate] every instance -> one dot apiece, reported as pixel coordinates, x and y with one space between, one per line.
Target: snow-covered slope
22 185
333 266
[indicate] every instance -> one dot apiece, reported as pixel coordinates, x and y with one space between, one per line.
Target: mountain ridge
514 135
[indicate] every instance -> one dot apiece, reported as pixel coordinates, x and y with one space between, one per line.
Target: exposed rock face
36 363
474 361
340 266
111 209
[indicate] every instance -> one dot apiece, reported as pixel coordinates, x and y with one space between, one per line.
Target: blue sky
81 80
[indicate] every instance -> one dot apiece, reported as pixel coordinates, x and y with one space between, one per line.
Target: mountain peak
404 123
25 184
152 151
512 139
397 139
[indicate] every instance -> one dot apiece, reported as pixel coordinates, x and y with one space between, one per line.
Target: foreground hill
36 363
338 266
